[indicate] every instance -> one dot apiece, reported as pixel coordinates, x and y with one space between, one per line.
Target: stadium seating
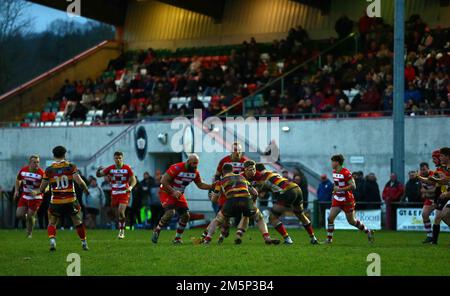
143 78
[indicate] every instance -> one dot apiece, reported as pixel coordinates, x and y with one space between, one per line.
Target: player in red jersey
61 176
237 160
343 199
28 179
429 194
171 194
122 181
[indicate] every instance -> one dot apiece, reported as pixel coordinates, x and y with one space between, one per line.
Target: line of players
234 189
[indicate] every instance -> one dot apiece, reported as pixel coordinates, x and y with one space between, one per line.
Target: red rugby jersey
120 178
238 166
181 177
30 181
341 179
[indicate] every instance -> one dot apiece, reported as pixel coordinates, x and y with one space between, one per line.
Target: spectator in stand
372 192
364 25
343 26
392 193
412 190
388 98
93 203
410 72
413 94
195 103
87 99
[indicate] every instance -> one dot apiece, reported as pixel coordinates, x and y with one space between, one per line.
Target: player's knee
424 216
168 214
273 218
220 219
185 217
258 216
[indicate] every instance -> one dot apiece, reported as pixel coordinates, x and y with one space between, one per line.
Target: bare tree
12 18
13 22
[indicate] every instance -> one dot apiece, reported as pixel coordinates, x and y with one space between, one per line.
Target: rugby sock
240 232
51 230
224 230
281 230
158 228
436 230
266 236
361 226
122 224
309 229
330 231
180 229
427 227
81 230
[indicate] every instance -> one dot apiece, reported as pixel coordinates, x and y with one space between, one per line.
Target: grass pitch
401 253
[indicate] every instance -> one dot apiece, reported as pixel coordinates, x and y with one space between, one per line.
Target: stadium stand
141 84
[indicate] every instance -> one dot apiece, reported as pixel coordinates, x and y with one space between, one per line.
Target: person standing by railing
324 194
372 192
392 193
412 190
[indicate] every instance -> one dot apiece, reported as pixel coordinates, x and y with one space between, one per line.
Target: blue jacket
325 190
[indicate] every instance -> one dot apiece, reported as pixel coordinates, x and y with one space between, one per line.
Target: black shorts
92 211
440 203
292 198
237 207
71 209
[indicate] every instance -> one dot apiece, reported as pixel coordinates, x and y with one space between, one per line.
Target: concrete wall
311 142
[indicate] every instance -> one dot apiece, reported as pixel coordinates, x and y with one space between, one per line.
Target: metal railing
292 116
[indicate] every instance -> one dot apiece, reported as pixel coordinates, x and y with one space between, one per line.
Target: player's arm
42 188
16 188
81 183
428 191
351 185
100 172
201 185
426 180
166 180
441 180
133 183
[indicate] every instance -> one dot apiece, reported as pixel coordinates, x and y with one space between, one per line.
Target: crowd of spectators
345 81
